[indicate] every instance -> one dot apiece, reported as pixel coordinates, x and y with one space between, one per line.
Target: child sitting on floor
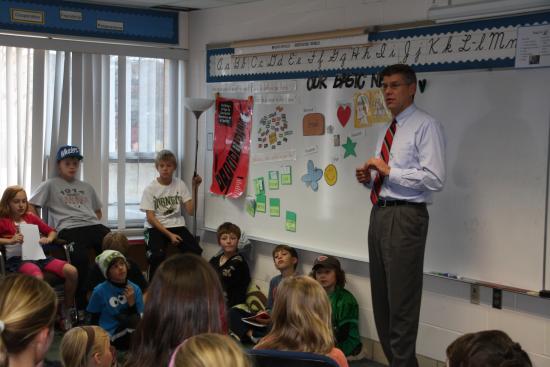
116 304
119 242
487 348
86 346
230 265
27 315
188 300
345 310
301 320
209 350
285 259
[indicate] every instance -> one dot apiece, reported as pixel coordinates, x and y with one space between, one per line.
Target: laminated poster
275 207
232 123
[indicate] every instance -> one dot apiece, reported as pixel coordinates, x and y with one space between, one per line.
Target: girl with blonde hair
302 320
209 350
27 313
86 346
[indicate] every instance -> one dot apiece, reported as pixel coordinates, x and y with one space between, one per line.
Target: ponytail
27 306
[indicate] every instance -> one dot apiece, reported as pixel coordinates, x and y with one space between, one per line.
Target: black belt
382 203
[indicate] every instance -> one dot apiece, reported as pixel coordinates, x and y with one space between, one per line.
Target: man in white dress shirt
409 165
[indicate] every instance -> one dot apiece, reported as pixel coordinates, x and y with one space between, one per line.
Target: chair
279 358
58 247
2 265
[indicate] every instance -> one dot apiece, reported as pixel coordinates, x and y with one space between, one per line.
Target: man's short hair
408 73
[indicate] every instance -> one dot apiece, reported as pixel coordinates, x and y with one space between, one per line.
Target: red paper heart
343 114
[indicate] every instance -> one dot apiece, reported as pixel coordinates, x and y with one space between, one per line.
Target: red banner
231 146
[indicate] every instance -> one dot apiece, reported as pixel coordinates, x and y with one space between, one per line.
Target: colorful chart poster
273 130
232 124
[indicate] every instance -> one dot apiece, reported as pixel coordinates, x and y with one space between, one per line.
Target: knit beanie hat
105 259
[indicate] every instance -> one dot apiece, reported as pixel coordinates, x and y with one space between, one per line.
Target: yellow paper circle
331 174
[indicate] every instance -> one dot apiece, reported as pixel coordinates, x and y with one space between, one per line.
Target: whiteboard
489 221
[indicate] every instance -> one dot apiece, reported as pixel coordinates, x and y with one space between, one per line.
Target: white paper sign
32 250
533 49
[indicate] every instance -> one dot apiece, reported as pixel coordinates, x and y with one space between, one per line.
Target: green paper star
349 148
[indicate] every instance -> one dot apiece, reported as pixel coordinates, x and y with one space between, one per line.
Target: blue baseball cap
68 151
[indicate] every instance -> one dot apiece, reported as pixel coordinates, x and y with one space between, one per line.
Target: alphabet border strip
467 45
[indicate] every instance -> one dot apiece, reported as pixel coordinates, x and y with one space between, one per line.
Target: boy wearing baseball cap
117 303
345 310
74 210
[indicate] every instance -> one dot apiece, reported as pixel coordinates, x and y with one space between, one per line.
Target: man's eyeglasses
392 86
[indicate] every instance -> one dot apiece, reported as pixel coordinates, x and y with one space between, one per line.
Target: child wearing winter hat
117 303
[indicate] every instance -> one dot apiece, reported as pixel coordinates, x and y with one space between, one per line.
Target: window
15 116
50 98
144 134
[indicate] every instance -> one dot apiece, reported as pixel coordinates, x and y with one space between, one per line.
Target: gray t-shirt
69 204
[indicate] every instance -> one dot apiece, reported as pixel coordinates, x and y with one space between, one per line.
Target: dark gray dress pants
397 239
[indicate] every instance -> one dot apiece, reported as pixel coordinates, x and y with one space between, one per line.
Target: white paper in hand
31 249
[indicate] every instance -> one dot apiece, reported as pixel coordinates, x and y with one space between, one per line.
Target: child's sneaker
73 316
66 324
63 323
81 317
362 354
68 319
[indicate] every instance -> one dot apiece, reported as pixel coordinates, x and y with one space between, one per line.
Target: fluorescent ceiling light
485 9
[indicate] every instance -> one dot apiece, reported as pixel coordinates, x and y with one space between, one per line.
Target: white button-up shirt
417 158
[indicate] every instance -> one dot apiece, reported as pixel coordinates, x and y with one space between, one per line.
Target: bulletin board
312 128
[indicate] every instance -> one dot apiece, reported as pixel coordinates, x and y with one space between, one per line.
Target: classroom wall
446 309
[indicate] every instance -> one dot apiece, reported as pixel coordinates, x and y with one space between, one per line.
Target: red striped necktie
385 154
